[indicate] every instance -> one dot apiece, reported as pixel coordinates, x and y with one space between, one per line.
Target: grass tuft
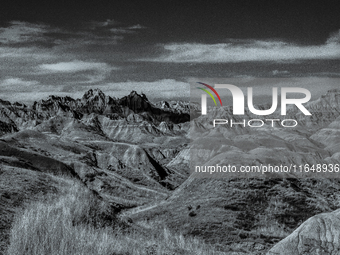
79 223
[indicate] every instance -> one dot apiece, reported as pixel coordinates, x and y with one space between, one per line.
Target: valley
137 156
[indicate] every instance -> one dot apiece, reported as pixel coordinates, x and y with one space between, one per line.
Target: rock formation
318 235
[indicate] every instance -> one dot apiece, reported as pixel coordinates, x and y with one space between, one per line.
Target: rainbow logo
208 92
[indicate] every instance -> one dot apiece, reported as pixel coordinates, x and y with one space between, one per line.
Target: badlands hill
318 235
124 150
249 215
135 155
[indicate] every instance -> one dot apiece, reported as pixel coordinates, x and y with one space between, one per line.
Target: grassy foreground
79 223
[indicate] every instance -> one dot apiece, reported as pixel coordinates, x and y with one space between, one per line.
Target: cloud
107 32
113 26
334 38
75 66
12 85
88 72
121 31
18 32
248 50
98 24
17 81
138 26
127 30
279 72
28 53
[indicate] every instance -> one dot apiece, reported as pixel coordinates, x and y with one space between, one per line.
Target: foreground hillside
132 159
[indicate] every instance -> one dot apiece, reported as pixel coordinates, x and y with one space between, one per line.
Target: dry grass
78 223
273 230
21 187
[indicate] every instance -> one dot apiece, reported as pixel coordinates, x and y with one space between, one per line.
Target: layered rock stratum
318 235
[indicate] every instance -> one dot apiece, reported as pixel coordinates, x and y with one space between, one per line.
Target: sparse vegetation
79 223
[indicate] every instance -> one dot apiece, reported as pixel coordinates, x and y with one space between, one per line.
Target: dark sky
302 21
67 47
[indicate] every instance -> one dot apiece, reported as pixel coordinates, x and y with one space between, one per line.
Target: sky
160 47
